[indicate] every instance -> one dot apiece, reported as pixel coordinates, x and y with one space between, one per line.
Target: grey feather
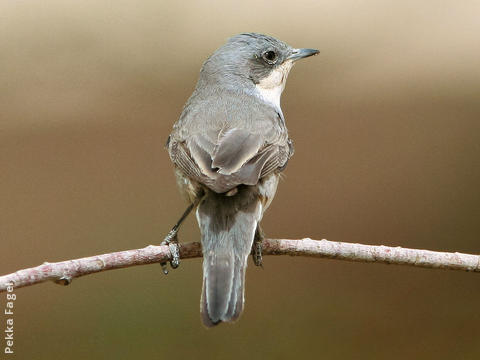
234 149
227 226
223 159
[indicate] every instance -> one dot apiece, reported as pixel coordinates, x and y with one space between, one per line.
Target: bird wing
233 149
226 158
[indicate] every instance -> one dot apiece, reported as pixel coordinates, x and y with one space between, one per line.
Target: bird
229 147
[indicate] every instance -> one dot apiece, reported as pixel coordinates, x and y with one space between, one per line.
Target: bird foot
172 241
257 253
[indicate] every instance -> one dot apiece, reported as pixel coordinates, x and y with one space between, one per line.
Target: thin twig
63 272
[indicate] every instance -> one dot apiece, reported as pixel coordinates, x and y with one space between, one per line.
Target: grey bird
229 147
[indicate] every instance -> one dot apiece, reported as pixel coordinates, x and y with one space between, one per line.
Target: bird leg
172 241
257 246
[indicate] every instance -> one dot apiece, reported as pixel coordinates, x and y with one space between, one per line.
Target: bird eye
270 57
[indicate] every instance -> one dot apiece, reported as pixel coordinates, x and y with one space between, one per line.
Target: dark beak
298 54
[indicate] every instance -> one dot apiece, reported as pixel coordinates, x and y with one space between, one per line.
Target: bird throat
270 88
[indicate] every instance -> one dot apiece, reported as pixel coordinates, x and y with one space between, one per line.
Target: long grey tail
228 225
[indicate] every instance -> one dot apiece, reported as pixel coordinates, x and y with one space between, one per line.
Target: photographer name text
11 297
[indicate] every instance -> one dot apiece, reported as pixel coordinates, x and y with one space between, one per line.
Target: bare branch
63 272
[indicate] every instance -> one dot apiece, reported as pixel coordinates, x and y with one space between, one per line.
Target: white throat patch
270 89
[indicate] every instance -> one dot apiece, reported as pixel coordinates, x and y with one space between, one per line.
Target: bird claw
257 253
257 247
172 241
175 251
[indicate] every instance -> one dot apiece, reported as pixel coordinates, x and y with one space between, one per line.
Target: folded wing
226 158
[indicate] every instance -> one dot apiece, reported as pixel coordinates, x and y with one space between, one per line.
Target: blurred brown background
386 123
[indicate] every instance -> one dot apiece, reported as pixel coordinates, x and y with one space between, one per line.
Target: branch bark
63 272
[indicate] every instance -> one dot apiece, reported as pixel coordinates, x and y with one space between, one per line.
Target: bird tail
228 225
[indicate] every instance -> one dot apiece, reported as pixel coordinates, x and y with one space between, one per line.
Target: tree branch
63 272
